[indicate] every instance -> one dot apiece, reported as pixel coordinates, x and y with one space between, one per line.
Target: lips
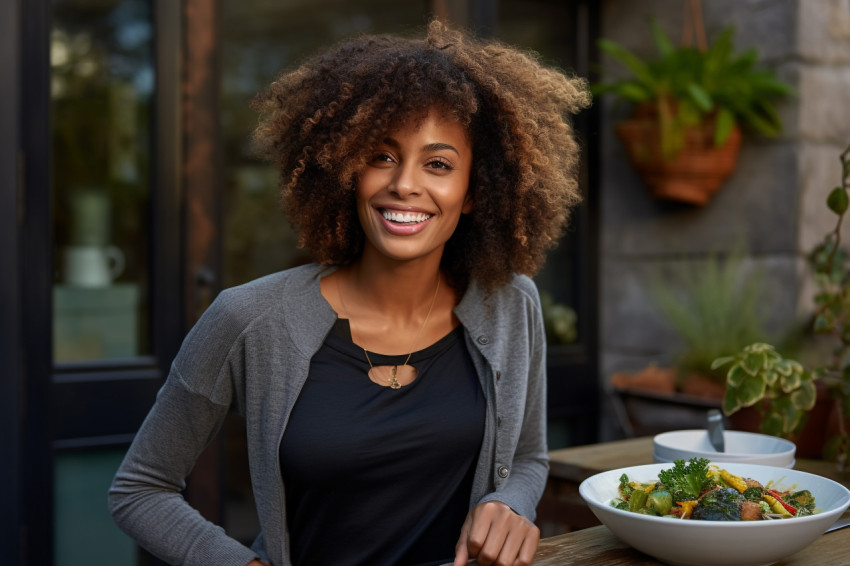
404 222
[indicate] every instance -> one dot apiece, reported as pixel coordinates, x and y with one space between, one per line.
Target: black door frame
11 500
82 405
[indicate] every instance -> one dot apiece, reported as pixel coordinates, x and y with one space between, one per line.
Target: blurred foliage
715 307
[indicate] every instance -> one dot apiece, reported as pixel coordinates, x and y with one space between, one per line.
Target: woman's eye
382 157
439 164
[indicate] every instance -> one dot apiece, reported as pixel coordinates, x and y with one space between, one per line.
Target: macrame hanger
694 25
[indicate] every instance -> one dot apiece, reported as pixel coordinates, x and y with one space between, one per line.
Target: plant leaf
700 97
837 201
805 397
751 391
722 361
723 125
629 59
736 375
662 42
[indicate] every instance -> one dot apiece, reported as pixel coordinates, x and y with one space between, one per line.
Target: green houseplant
688 104
783 390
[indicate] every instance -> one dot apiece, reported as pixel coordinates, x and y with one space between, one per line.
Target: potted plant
683 135
715 306
784 391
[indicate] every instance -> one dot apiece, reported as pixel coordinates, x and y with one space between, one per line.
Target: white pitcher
92 266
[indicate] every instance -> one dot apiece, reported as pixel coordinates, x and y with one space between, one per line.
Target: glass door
101 256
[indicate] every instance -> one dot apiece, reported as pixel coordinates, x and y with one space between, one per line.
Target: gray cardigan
251 351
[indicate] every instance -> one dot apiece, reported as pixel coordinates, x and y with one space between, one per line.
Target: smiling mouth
405 217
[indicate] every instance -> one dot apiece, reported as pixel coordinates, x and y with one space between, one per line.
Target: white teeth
405 217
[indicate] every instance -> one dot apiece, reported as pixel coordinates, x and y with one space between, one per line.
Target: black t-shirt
379 476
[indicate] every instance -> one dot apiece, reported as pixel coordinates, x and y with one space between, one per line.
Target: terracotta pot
694 175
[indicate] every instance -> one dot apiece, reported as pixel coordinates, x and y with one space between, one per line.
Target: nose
405 182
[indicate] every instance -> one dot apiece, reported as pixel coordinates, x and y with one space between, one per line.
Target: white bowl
746 447
717 543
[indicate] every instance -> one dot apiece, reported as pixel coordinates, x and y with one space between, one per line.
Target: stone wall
774 204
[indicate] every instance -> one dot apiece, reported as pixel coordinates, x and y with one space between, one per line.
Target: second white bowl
745 447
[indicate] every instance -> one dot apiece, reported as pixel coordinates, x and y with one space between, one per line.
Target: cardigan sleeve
145 497
521 449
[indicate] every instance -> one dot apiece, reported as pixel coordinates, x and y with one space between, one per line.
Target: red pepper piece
788 507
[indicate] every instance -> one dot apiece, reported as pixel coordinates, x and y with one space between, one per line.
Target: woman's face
414 188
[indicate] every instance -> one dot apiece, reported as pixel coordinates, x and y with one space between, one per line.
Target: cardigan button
503 472
498 375
499 422
483 339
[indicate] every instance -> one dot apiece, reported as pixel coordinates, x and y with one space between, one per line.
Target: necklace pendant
394 384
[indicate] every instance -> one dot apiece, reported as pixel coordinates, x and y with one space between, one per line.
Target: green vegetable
625 487
637 501
687 481
660 502
620 504
753 494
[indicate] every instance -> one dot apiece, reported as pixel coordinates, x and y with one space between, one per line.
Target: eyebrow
436 146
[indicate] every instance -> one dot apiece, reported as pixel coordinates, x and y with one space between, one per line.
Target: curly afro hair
319 124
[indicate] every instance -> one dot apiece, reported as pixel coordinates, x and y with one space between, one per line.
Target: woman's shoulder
516 298
259 292
241 304
520 288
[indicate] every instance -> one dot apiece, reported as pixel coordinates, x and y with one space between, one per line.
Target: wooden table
596 545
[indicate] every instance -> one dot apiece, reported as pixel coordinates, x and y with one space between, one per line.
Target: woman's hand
256 563
495 535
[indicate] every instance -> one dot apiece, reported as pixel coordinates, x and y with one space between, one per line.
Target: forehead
433 122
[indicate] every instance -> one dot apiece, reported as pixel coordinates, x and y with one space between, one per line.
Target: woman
394 391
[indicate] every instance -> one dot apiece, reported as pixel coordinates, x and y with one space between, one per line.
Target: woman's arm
500 529
146 495
145 498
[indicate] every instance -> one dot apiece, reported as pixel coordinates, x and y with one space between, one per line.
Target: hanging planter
683 137
694 173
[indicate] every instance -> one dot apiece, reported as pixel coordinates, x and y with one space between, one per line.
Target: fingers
461 552
496 536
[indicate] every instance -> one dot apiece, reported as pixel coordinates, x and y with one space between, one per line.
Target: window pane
545 27
84 533
102 82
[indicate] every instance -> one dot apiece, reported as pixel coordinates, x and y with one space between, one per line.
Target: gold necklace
373 374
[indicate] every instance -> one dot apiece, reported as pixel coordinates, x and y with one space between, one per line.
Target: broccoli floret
687 481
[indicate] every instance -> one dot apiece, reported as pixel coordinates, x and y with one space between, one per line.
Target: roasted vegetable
687 481
734 481
637 500
660 501
776 505
722 504
803 501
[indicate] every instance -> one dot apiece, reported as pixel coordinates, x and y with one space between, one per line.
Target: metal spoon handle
839 524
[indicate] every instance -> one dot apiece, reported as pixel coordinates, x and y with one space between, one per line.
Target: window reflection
102 82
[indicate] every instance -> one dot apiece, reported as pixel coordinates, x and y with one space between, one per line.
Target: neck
378 284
